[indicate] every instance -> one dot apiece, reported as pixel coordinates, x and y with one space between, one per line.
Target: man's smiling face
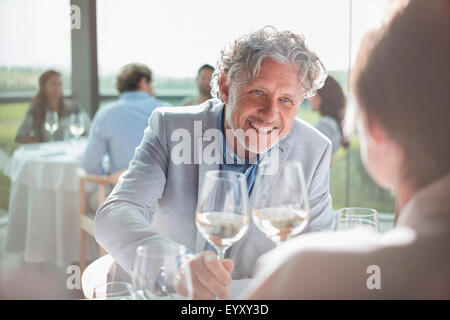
267 105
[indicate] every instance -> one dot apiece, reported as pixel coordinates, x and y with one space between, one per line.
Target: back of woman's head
401 78
332 103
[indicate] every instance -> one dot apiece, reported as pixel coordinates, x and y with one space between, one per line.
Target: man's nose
270 111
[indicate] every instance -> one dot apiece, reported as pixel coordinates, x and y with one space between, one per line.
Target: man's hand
210 277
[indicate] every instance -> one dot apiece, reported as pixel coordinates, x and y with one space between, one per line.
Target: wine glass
76 125
223 211
159 273
280 206
51 122
349 218
113 291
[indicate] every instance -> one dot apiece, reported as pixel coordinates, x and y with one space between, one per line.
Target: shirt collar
133 95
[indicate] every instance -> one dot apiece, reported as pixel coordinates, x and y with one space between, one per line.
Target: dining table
105 270
44 203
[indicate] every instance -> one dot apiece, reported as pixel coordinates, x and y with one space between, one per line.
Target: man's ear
223 88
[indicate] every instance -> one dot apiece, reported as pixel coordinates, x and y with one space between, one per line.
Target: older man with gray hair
259 83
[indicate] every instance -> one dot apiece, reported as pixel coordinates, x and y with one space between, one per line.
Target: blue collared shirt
116 131
232 162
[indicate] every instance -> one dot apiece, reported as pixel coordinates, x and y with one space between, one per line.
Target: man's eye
259 92
286 99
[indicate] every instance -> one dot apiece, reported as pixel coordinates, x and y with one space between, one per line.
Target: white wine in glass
76 125
51 122
280 208
223 212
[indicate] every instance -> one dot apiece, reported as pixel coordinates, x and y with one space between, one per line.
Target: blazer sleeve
123 222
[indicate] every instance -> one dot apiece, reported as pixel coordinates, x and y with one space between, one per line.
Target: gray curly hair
248 52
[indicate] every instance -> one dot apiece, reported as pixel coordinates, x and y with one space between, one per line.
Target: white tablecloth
43 204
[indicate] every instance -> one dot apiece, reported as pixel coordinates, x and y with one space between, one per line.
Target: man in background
204 88
118 128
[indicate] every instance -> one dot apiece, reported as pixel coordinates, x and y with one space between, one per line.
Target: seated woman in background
403 102
49 98
329 101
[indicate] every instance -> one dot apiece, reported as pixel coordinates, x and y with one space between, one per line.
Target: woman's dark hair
332 104
130 75
40 103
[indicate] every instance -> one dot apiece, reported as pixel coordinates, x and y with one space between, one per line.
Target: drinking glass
51 122
223 211
349 218
76 125
114 291
280 206
160 274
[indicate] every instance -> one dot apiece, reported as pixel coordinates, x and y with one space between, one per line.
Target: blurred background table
43 203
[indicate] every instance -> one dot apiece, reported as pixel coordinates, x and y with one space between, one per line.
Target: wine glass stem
221 253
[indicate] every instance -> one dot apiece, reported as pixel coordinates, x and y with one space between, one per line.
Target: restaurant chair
86 219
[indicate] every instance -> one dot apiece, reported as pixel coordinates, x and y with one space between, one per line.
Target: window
35 36
362 190
174 38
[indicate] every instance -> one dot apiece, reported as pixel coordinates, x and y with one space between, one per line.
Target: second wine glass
280 206
76 125
349 218
223 212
